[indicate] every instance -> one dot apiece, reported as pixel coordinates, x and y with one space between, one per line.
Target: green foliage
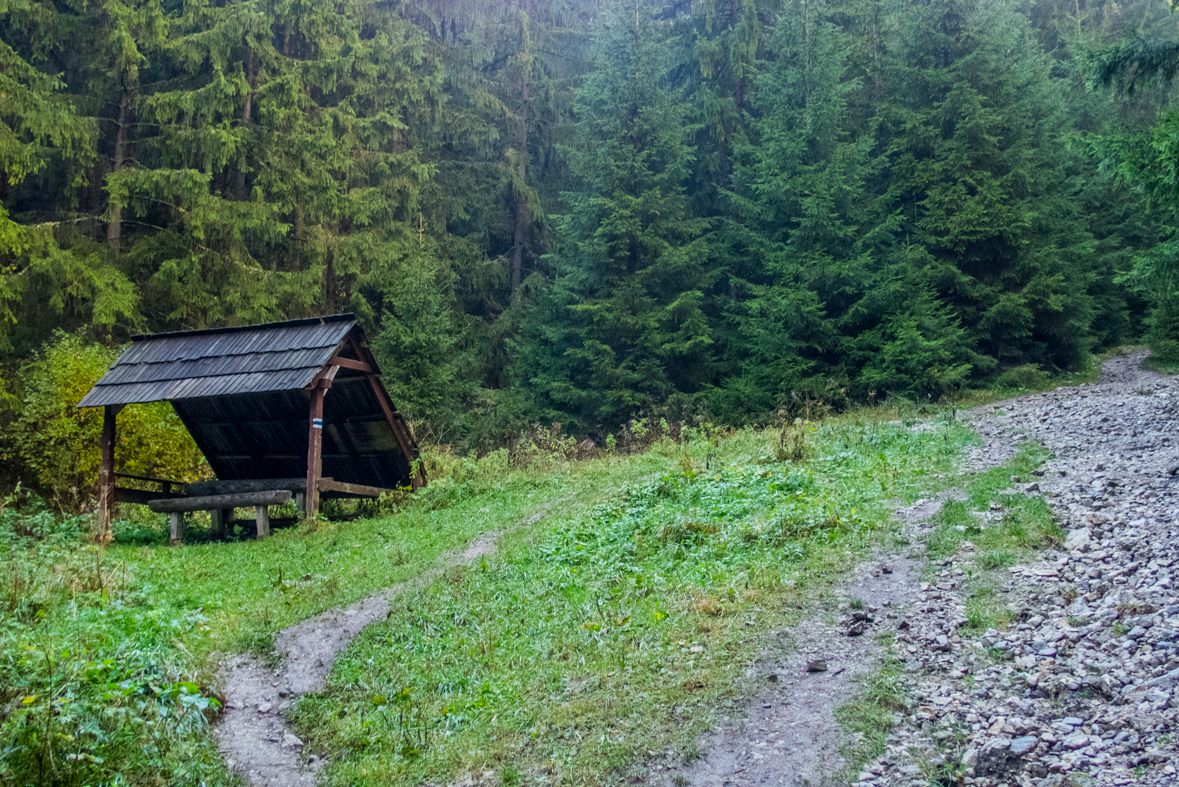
806 212
979 139
1164 329
919 352
1027 376
96 684
548 210
628 298
58 443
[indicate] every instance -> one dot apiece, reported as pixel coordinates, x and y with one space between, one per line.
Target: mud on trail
253 732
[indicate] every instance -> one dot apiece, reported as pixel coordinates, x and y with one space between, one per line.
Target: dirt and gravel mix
253 732
1081 690
789 734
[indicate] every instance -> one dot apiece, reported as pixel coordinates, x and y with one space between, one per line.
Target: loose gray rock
1081 686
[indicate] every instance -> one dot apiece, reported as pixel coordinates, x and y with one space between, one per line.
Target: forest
681 299
586 211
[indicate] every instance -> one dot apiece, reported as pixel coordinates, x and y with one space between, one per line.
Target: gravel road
1083 689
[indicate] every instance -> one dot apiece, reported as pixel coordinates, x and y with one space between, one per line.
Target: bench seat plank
273 497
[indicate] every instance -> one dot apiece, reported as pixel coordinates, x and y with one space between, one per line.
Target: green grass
868 718
628 597
587 647
1011 385
1025 524
251 589
123 642
1160 366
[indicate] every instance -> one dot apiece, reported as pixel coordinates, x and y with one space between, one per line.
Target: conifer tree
977 140
806 220
629 327
48 145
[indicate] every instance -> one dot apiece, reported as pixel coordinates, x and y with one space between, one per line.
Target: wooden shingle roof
281 356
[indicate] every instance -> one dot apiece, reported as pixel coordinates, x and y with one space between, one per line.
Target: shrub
1163 332
56 443
1027 376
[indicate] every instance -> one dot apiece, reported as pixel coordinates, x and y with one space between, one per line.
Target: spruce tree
626 328
804 219
49 146
977 127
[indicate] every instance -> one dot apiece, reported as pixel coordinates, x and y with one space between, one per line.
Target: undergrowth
96 686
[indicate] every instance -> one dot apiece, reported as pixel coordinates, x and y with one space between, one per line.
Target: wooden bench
220 498
221 508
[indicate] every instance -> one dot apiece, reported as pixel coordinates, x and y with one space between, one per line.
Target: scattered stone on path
817 665
1081 686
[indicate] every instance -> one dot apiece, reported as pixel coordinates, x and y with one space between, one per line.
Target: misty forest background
583 211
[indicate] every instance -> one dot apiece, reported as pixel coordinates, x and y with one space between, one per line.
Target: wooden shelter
255 401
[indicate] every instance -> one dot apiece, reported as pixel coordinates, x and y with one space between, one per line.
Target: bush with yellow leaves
56 444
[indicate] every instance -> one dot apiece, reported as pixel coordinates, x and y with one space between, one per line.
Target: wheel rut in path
789 735
253 733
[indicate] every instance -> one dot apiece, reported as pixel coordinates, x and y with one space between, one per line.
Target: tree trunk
246 109
114 228
522 216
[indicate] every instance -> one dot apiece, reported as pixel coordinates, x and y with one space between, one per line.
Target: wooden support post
220 517
177 533
262 520
106 475
315 451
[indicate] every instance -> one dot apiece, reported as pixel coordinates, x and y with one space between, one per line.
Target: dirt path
789 735
253 731
1111 440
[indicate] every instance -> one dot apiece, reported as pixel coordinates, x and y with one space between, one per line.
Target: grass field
627 597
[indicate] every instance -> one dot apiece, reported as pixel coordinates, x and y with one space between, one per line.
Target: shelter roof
244 395
280 356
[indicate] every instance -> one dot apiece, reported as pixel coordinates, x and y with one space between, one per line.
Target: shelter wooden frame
240 392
